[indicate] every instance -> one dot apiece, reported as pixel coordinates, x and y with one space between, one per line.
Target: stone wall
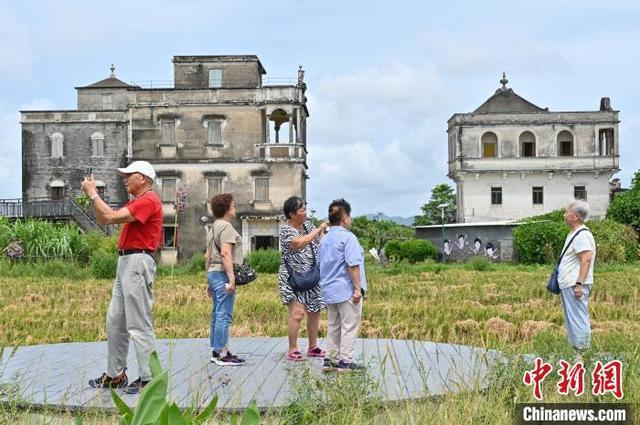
517 198
242 128
39 169
463 241
92 99
285 180
234 75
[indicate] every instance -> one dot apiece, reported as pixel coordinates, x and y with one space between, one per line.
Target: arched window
281 125
527 144
57 140
565 143
97 144
489 143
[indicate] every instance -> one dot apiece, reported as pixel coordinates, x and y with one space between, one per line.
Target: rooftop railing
226 83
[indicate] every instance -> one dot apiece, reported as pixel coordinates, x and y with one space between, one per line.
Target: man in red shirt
130 310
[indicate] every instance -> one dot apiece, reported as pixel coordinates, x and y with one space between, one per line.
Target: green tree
625 206
441 194
375 233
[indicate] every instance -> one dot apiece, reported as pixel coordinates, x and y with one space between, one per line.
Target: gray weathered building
217 128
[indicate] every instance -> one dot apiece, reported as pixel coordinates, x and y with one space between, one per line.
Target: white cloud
91 25
16 48
377 137
474 52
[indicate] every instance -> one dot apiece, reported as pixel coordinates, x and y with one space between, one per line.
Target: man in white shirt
575 275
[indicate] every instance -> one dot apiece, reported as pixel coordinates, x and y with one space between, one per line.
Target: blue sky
383 77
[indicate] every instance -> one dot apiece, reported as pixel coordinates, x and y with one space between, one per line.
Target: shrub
539 242
41 240
97 241
393 248
416 250
265 260
625 206
104 264
412 250
555 215
196 263
615 242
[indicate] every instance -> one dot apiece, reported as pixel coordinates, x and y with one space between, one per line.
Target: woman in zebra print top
298 243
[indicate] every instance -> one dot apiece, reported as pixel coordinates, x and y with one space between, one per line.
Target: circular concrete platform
56 375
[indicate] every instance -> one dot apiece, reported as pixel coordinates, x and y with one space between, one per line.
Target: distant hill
407 221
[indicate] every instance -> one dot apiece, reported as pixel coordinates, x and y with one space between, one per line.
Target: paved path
56 375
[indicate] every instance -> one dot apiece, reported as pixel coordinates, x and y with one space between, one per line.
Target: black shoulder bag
304 281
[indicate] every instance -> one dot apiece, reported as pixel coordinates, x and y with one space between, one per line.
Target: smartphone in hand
89 172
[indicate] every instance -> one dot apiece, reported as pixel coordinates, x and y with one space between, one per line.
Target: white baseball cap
142 167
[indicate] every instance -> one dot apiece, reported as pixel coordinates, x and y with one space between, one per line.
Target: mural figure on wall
447 247
491 251
477 246
459 249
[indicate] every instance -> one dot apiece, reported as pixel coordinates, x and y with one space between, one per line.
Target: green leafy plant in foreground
153 408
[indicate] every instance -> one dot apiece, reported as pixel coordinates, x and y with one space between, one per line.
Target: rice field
505 308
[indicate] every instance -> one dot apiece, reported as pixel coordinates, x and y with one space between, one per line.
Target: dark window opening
168 236
580 192
565 143
496 196
538 195
566 148
57 193
528 149
264 242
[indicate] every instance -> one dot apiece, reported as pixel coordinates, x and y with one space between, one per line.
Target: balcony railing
280 151
63 209
560 163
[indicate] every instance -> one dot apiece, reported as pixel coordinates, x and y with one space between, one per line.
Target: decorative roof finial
113 71
504 81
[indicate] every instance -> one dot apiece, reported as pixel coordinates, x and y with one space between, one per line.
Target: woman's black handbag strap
564 251
313 253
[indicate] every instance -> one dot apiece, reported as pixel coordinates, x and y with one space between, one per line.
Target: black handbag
243 273
553 285
303 281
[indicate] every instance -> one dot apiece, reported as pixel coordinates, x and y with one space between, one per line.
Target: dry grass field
505 308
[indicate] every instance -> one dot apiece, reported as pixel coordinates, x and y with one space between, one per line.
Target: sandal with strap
316 352
294 356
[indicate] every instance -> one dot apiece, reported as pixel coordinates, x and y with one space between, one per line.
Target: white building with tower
511 159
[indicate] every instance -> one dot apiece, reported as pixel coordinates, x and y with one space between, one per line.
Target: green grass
504 307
